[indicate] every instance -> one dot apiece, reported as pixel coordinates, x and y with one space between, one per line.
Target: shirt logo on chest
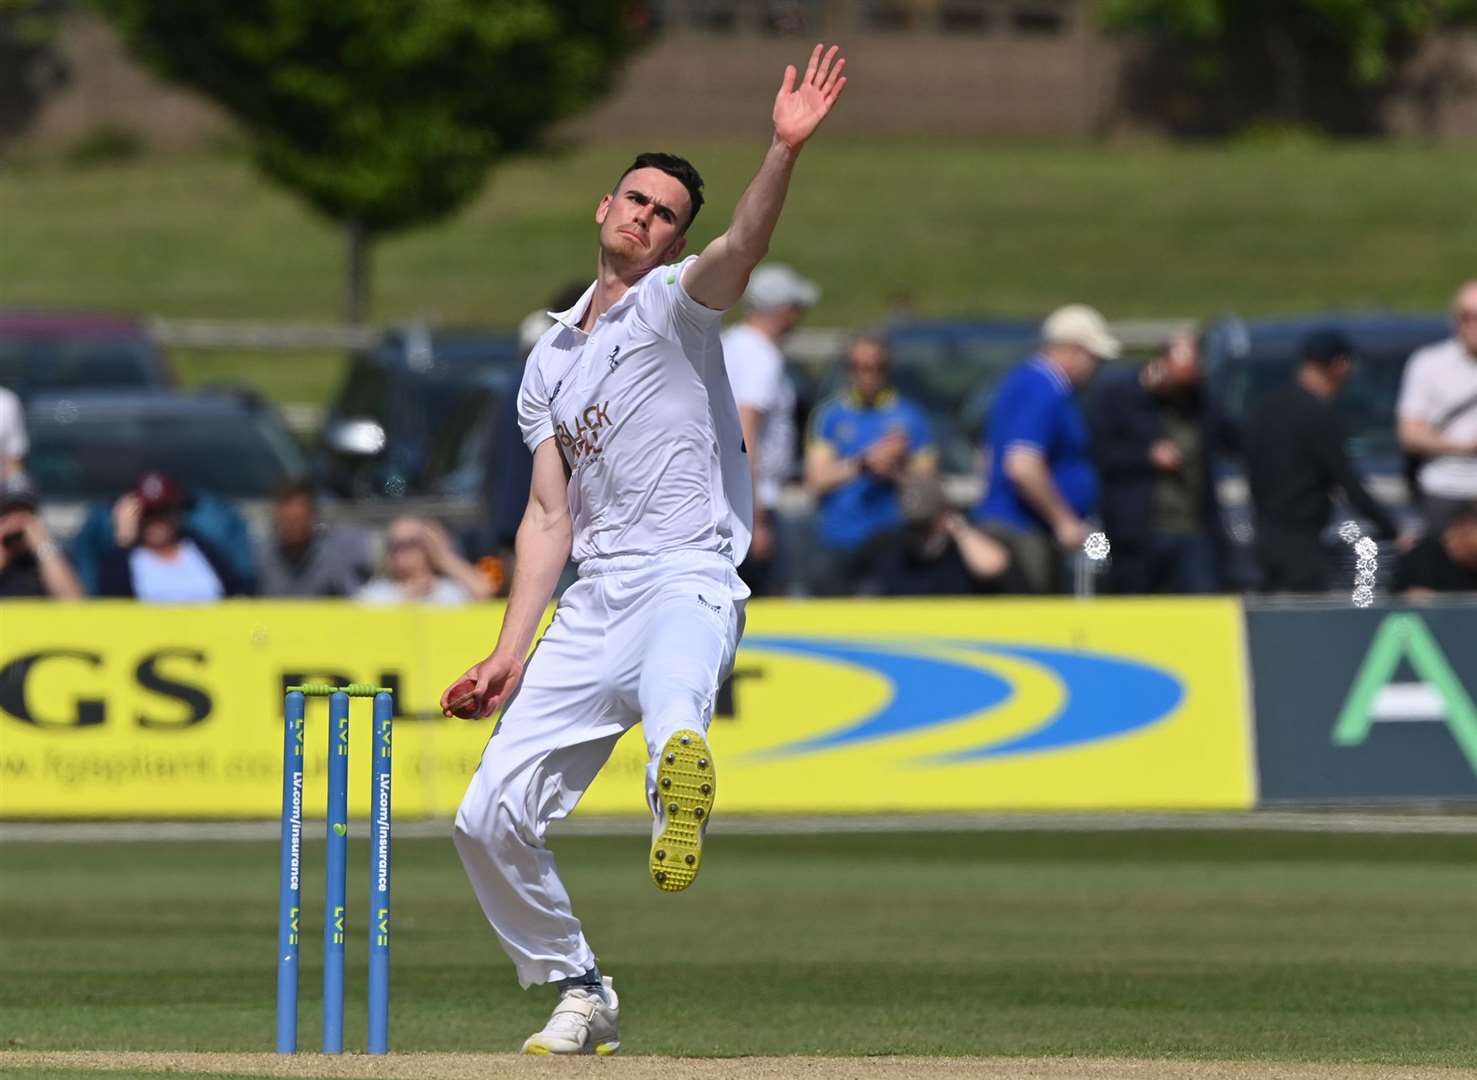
582 442
614 358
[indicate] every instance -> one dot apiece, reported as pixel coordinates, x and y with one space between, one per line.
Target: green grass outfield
1277 947
951 228
1141 231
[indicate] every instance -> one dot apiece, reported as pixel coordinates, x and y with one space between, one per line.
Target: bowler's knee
493 816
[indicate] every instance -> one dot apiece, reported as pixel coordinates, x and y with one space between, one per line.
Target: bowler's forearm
540 552
758 209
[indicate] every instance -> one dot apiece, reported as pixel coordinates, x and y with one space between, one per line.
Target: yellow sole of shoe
686 784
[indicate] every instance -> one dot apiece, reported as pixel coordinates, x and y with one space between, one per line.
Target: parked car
94 444
1247 359
407 417
47 352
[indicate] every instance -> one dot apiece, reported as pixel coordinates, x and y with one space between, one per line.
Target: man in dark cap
31 563
1295 458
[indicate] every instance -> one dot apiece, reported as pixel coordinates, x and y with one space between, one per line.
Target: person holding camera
31 562
156 558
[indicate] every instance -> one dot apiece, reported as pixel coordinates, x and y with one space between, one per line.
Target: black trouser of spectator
770 576
1181 563
854 571
1292 561
760 575
1439 511
1042 566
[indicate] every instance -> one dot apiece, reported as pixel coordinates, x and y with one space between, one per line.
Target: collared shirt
756 369
644 416
1438 381
13 441
1036 410
859 509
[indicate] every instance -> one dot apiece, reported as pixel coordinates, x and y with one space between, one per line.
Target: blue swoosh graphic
926 691
1106 697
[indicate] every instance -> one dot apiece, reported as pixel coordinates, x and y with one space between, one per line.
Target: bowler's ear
603 208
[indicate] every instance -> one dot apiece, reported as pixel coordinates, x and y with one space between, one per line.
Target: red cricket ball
462 701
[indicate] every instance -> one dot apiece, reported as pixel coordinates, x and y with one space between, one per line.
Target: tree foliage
1298 50
382 114
31 67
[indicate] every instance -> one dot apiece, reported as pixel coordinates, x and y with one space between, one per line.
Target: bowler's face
642 222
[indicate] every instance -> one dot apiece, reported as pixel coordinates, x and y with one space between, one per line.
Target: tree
31 68
1321 62
382 114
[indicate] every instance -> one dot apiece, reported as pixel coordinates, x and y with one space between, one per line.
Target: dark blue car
410 412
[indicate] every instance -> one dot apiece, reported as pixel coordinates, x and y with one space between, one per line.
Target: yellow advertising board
117 709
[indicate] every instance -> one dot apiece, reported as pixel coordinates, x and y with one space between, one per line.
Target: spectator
939 553
208 518
1041 482
31 563
1295 458
863 442
1154 433
13 441
1445 562
306 558
775 302
156 557
421 566
1436 417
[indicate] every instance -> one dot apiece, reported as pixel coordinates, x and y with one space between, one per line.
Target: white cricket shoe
584 1022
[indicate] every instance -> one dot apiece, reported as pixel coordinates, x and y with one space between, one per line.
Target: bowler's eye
637 198
666 215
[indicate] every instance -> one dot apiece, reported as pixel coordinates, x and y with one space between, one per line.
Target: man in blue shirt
862 442
1041 481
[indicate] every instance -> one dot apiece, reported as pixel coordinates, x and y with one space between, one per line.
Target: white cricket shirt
756 370
644 415
1437 379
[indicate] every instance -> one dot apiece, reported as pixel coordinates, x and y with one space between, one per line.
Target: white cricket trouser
637 637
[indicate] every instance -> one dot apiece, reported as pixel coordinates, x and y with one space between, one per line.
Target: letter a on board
1404 636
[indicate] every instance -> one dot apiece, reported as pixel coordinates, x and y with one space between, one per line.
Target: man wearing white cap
775 302
1042 483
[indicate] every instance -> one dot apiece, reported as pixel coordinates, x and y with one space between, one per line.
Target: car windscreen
75 455
35 365
954 377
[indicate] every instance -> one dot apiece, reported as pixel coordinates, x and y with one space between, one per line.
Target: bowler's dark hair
679 169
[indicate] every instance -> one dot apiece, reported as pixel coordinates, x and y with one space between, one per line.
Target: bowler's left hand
799 110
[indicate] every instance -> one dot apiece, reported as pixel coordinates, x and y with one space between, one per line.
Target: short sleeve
823 425
535 405
666 306
1416 389
1023 417
13 441
920 433
754 371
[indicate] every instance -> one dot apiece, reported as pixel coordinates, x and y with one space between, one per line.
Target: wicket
289 908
